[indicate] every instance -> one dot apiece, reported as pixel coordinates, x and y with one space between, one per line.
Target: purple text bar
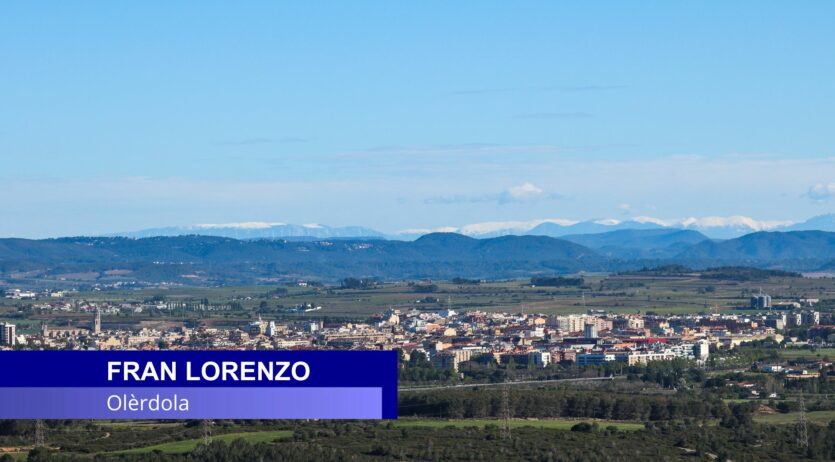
191 403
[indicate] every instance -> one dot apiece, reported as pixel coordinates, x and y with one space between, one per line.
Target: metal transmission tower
206 426
505 415
802 430
39 434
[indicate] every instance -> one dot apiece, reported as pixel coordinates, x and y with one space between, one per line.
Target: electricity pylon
206 426
802 430
39 434
505 414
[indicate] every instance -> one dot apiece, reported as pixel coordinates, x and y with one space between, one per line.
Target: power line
802 430
39 433
206 426
505 414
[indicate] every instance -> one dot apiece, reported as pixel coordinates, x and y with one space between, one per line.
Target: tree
583 427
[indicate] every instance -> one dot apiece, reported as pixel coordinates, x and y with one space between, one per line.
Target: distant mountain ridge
766 247
210 260
712 227
639 243
213 260
817 223
590 227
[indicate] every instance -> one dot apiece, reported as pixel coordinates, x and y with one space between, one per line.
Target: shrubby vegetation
663 270
727 273
556 281
687 439
464 281
359 283
741 274
425 288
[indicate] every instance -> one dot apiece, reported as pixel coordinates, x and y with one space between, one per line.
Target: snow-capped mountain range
258 230
712 226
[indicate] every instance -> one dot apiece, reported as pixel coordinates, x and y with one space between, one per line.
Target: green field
18 456
803 353
554 424
737 400
142 424
818 417
176 447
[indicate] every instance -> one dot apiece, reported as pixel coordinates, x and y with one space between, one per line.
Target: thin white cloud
525 191
821 192
625 208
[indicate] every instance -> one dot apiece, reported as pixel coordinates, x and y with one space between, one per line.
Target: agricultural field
613 293
792 353
815 417
178 447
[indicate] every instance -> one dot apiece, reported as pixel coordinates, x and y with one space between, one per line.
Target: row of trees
556 281
359 283
539 403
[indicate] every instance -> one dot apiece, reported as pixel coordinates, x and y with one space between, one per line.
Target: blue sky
125 115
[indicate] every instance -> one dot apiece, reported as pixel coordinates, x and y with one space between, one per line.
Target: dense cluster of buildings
445 338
